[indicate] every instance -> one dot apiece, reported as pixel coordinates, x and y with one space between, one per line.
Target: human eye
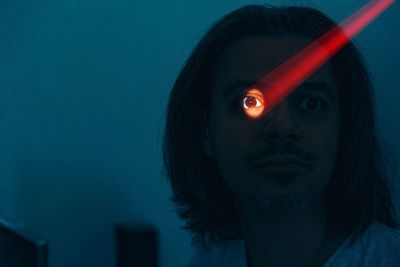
312 103
251 103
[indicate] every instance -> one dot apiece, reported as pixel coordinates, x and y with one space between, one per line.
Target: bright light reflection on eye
253 103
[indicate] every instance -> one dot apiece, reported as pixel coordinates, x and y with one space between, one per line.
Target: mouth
280 165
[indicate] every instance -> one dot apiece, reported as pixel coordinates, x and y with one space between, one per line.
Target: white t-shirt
379 246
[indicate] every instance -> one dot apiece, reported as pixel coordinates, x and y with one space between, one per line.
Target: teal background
84 86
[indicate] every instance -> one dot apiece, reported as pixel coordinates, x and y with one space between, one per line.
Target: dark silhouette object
136 245
20 249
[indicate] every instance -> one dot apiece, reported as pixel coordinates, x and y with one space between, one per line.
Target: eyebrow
239 85
321 87
242 85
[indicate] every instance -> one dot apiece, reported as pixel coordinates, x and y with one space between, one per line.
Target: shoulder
378 246
228 253
383 239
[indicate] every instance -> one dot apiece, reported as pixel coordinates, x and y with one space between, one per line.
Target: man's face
295 143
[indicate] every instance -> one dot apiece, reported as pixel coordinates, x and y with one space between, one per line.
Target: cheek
325 145
232 137
231 141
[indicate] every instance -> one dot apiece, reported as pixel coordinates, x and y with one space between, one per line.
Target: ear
207 144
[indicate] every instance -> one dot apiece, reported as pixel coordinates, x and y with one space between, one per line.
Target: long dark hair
358 192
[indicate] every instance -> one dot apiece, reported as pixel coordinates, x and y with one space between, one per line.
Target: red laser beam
280 82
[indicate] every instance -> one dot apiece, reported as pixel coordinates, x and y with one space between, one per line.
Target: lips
280 163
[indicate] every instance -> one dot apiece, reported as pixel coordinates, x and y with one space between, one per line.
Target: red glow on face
281 81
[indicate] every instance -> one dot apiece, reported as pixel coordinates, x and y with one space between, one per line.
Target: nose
280 125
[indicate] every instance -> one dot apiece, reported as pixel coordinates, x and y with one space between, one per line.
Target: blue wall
84 86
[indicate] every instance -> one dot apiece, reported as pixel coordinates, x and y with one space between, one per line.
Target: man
304 185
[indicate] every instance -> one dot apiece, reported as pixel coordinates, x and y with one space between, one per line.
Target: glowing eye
253 103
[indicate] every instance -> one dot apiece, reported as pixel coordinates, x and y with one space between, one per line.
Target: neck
291 238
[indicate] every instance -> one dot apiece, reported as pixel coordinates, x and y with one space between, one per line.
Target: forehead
252 57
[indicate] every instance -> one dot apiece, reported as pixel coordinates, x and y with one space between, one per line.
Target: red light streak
280 82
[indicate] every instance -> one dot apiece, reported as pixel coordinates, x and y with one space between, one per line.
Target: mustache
279 150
